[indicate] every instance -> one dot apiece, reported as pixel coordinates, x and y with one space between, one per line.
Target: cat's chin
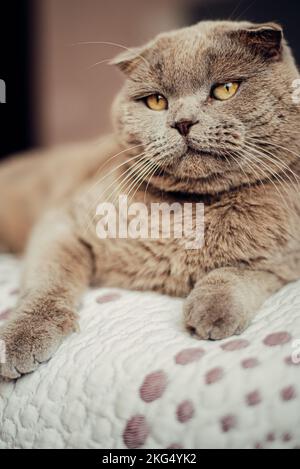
197 164
192 152
200 172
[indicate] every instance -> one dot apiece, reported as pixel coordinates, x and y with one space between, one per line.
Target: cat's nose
183 126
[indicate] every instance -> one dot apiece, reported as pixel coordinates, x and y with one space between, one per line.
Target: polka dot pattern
253 398
228 423
250 363
136 432
258 446
286 437
150 384
189 355
278 338
185 411
108 298
153 386
288 393
234 345
270 437
214 375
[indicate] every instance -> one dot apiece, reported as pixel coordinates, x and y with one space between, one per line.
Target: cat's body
252 213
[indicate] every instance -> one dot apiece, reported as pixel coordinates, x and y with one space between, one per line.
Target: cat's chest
245 231
229 234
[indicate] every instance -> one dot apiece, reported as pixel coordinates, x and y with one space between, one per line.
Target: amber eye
225 91
156 102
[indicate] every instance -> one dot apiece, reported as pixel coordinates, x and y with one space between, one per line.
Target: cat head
206 103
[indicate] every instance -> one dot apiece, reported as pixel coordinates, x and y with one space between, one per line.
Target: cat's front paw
215 312
31 339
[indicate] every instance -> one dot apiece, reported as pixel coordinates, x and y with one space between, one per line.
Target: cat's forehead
183 60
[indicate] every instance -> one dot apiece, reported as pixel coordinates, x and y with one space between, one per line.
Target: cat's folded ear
266 39
127 60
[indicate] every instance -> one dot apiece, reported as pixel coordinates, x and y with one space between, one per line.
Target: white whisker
109 43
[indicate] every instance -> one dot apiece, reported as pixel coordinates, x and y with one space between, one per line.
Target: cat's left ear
128 60
266 39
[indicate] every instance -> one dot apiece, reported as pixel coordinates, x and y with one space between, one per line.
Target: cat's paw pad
29 341
214 315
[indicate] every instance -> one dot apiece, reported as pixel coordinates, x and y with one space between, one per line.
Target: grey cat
206 114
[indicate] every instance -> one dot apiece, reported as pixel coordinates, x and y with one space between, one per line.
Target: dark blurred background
53 94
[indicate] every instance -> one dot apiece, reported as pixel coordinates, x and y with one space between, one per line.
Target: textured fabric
134 378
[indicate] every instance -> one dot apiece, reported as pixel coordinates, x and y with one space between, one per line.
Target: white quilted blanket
133 378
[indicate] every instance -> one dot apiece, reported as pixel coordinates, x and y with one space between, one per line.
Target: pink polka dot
279 338
185 411
108 297
153 386
253 398
214 375
270 437
292 362
15 291
189 355
258 446
287 437
228 423
136 432
233 345
288 393
5 314
250 363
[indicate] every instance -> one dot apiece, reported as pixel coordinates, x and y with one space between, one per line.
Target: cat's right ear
266 39
128 60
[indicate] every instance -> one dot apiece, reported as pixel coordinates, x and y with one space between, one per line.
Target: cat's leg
58 269
225 301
